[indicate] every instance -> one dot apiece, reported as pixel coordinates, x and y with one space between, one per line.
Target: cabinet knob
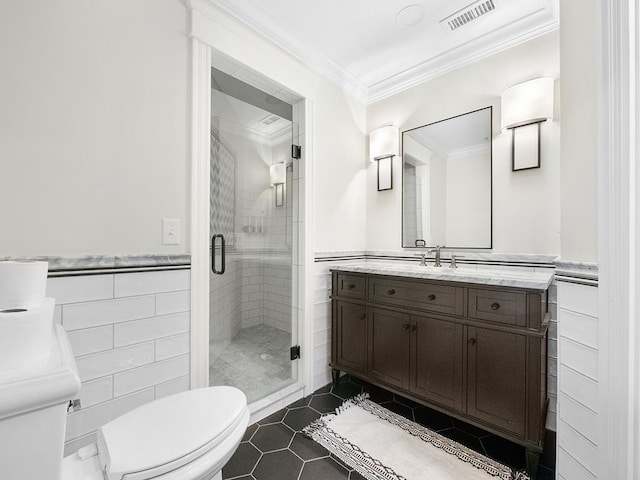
472 341
414 328
363 316
495 306
391 291
350 286
406 327
431 297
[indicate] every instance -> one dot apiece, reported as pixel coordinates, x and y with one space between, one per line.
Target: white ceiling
360 45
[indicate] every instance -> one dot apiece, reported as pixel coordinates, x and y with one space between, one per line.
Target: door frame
212 31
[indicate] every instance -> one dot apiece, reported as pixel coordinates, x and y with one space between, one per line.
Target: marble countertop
498 277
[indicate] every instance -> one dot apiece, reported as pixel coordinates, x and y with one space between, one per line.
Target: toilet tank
33 414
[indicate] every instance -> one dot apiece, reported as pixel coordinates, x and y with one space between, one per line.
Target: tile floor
274 448
255 354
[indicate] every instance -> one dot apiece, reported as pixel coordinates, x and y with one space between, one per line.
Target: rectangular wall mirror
446 183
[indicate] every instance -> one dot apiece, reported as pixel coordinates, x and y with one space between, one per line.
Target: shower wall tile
122 327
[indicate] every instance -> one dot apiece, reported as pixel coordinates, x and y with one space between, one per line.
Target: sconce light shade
384 142
277 174
527 102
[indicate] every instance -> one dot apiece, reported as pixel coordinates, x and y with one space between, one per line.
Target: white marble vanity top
500 277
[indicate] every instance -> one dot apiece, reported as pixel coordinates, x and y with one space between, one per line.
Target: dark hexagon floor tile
356 476
463 438
406 402
282 465
306 448
377 394
432 419
505 451
470 429
251 429
400 409
272 437
325 469
303 402
346 390
273 418
548 457
242 461
325 389
545 473
325 403
299 418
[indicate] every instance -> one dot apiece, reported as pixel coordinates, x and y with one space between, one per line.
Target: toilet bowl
186 436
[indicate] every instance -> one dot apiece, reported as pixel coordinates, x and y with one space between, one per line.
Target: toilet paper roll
26 335
22 284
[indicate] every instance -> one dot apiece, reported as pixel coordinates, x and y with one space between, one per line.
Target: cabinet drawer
352 286
423 296
508 308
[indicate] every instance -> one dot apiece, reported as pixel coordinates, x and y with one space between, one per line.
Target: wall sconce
277 179
383 146
524 107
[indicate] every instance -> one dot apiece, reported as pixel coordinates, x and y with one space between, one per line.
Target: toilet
186 436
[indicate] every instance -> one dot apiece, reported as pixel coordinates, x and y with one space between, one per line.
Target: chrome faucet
423 258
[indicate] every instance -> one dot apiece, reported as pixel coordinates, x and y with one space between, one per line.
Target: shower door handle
213 253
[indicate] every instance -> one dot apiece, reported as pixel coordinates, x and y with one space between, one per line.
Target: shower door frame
204 25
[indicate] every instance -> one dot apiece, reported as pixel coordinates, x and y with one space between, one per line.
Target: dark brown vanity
473 350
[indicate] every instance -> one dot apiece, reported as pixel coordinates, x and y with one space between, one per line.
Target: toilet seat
184 436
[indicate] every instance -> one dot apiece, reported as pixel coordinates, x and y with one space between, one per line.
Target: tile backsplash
130 336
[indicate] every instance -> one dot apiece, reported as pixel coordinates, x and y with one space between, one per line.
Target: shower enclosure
252 325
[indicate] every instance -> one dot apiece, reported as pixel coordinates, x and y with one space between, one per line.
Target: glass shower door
251 283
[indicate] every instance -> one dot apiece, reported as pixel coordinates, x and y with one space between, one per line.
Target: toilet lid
167 433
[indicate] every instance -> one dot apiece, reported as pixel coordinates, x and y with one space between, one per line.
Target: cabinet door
349 341
389 347
436 361
497 378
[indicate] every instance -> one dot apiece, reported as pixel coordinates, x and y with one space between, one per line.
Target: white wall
93 126
526 217
579 145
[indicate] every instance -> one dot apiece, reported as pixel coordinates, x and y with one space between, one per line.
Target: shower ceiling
375 48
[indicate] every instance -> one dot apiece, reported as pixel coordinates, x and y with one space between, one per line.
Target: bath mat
381 445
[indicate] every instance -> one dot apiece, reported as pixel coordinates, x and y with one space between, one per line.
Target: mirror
446 183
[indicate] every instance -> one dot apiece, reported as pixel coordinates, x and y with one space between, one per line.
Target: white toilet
185 436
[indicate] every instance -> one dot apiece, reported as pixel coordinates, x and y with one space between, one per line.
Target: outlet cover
170 231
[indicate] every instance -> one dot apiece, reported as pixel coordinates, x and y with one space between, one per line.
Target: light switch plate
170 231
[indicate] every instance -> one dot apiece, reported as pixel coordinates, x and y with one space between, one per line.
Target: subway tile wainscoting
129 332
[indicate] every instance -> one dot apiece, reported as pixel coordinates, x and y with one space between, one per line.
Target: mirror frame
490 247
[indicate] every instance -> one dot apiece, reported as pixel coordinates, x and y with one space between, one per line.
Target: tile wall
130 335
322 326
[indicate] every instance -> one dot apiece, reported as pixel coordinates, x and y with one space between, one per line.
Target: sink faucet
437 252
423 258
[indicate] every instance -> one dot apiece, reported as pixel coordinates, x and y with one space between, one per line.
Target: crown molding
453 59
312 58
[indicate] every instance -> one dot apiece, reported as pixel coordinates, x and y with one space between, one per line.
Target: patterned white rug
382 445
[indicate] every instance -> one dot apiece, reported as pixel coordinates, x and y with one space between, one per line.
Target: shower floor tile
256 361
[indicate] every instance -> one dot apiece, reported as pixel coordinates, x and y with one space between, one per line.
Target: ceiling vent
467 15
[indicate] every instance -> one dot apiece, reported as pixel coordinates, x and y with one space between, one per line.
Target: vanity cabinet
473 351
